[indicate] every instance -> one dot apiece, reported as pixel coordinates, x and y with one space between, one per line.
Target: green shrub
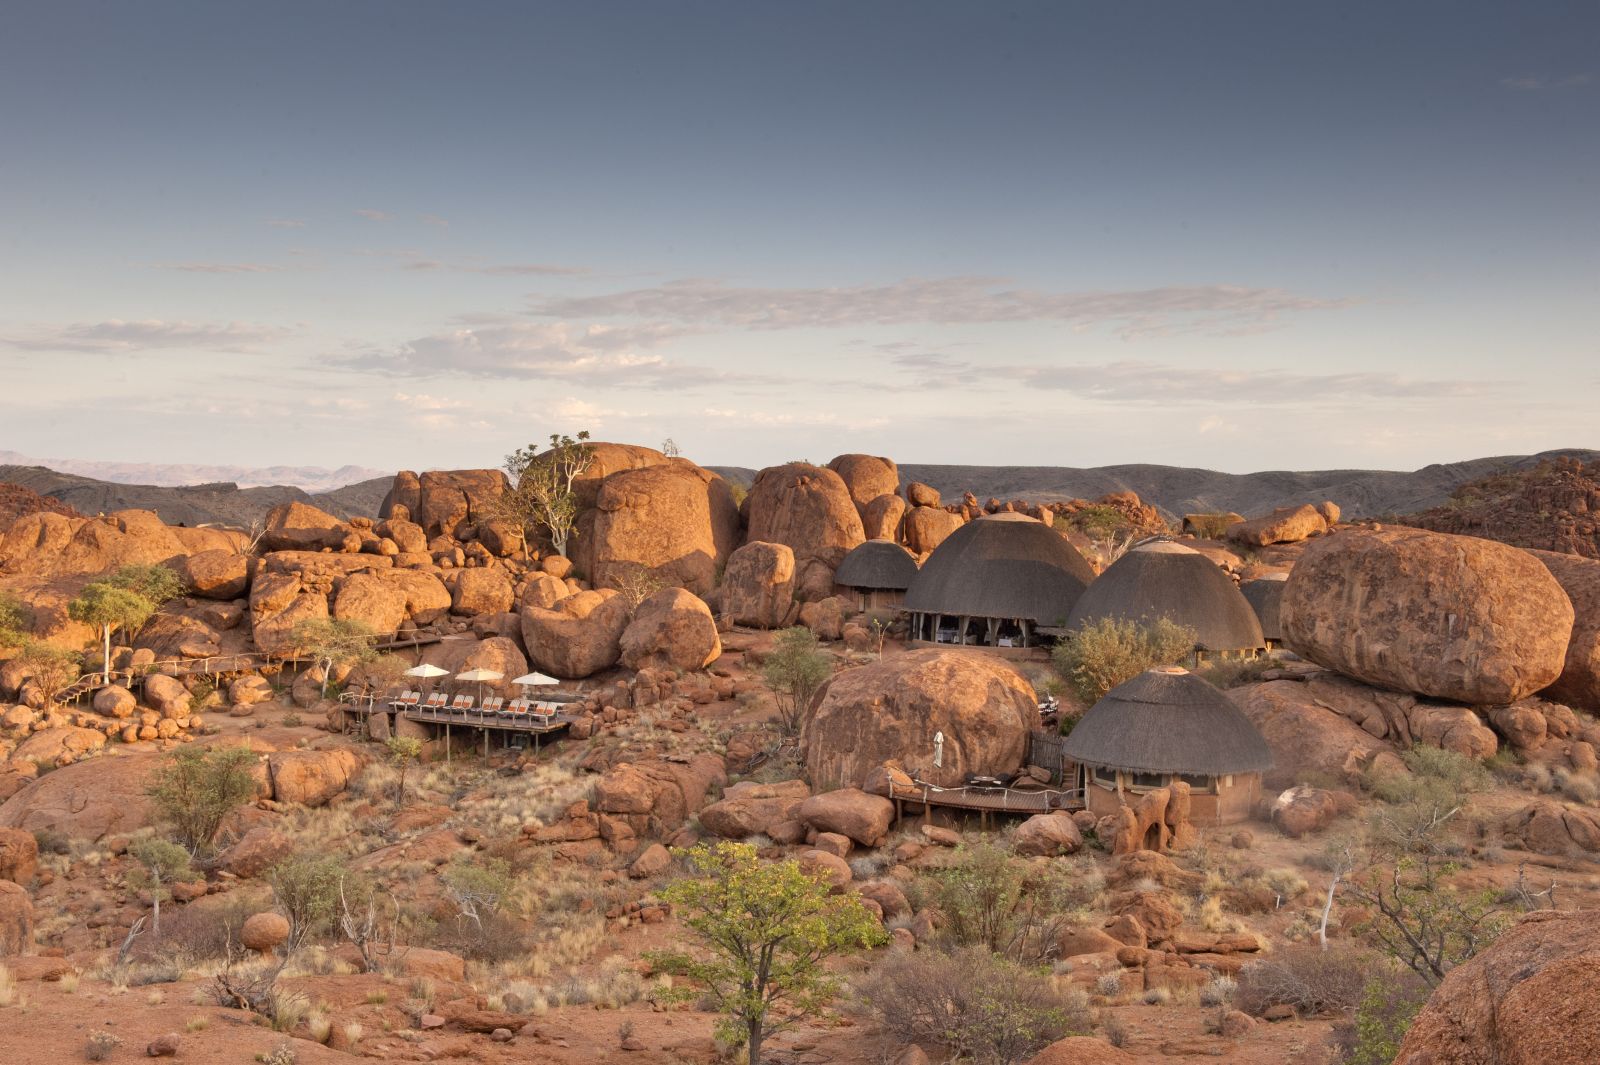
1389 1003
1098 657
1008 906
306 889
196 788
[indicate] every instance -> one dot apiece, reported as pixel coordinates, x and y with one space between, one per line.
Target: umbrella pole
447 742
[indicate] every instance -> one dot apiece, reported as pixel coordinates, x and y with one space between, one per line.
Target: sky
1235 235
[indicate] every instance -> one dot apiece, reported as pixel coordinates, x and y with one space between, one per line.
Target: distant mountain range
223 503
190 494
1177 490
306 478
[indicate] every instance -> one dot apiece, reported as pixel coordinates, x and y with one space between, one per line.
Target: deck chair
493 705
436 702
462 704
542 712
519 705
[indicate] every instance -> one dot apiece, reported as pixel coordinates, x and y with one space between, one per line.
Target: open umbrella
481 676
528 679
427 672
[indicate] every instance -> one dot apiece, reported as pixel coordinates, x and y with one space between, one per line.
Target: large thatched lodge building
1166 725
994 583
1163 579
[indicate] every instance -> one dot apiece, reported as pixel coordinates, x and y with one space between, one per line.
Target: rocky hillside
17 501
1553 507
1179 490
200 504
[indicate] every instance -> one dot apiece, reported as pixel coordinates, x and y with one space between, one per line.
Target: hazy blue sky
1239 235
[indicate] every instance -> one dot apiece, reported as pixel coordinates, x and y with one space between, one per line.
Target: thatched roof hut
1264 594
1168 721
1005 565
878 564
1166 579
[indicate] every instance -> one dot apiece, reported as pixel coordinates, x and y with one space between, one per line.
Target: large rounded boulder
675 520
579 636
1531 996
807 507
1579 577
925 528
758 585
893 710
1453 617
866 477
672 629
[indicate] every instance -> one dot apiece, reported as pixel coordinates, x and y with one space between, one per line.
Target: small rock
633 1043
165 1046
1280 1012
430 1020
1236 1023
501 1035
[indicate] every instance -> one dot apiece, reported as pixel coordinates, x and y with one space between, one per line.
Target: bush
794 670
306 889
1098 657
994 900
198 933
982 1008
1310 979
1389 1003
197 788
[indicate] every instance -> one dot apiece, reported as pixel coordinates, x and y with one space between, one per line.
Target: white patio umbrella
481 676
427 672
535 678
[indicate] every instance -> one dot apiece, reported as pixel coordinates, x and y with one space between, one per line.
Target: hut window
1149 780
1199 782
1105 776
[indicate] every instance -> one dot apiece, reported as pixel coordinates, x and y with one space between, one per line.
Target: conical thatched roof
1168 721
1002 566
877 564
1264 594
1164 579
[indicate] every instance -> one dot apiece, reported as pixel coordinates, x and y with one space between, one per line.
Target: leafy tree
404 751
157 584
333 642
669 448
1383 1016
636 582
13 620
306 888
52 669
766 931
1005 905
794 671
196 788
110 607
164 863
1099 656
541 494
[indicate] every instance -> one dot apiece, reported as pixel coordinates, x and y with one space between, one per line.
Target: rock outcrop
758 586
808 508
1453 617
1549 827
675 521
1305 737
671 629
925 528
302 527
866 478
1533 996
579 636
893 710
1286 525
1579 577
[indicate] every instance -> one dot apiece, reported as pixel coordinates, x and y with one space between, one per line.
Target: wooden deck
528 723
988 801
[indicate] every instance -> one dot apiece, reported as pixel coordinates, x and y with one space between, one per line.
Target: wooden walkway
988 801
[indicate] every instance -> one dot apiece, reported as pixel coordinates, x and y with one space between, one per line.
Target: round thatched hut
1264 594
875 574
995 582
1165 725
1163 579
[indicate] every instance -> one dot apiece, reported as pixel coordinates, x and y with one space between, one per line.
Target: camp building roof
1168 721
1001 566
1264 594
877 564
1164 579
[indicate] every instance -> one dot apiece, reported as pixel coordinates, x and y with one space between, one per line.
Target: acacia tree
110 608
794 671
51 669
332 642
13 620
404 752
541 495
164 863
766 930
197 788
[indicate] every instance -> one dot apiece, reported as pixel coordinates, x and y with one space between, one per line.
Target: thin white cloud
1535 83
220 268
116 336
373 215
435 220
1149 382
286 223
953 300
602 355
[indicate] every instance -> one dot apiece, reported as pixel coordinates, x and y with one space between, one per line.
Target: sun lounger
435 702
